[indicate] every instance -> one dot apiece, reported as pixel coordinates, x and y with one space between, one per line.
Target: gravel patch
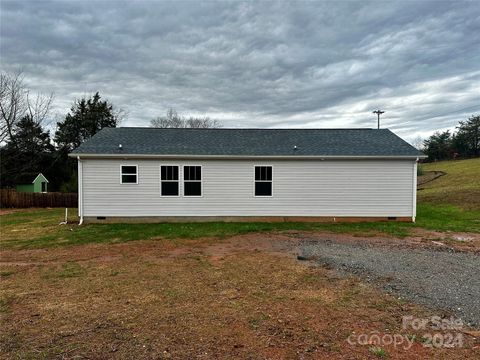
440 279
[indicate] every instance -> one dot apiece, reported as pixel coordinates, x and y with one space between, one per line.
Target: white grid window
192 180
169 180
263 181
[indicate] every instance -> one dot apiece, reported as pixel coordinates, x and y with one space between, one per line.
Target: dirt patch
428 177
242 297
456 241
9 211
277 244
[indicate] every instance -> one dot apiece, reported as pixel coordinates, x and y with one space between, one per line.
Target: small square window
129 174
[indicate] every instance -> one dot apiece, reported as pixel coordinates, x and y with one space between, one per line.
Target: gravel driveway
438 279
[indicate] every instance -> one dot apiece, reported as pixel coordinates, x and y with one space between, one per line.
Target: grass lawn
38 228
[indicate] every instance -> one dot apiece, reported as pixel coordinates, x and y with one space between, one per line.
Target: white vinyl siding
300 188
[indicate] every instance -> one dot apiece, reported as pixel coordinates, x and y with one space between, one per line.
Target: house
155 175
38 185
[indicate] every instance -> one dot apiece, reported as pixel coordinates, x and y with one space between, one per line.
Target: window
128 174
192 177
169 180
263 181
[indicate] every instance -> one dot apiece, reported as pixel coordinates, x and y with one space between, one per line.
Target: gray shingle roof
248 142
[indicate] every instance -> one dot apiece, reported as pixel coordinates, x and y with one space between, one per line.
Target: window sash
263 173
263 188
170 188
192 173
191 191
169 172
129 169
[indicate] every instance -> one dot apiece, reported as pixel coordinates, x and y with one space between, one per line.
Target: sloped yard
460 186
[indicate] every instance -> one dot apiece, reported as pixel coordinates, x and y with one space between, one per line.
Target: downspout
80 190
414 191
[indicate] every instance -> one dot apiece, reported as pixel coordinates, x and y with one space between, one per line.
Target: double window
192 181
128 174
263 181
169 180
170 183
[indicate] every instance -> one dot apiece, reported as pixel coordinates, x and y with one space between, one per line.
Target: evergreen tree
438 146
467 138
27 153
85 119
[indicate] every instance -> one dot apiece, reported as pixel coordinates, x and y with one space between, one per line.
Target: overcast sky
298 64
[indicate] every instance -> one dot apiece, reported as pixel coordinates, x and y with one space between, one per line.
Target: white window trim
184 181
179 181
136 174
254 181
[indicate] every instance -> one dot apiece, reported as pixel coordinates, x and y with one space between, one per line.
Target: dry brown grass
241 298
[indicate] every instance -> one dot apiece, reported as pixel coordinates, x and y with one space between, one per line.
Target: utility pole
378 112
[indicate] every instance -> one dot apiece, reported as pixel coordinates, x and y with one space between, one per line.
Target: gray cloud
255 64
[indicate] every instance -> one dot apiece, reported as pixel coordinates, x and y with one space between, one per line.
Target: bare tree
173 120
12 103
418 143
120 115
16 102
170 120
39 107
202 123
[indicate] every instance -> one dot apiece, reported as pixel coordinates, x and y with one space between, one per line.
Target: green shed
38 185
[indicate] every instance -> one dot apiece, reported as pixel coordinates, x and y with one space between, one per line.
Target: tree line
463 143
28 148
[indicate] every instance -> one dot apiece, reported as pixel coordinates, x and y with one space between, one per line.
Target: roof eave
290 157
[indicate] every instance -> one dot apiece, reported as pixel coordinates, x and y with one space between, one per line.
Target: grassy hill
460 186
